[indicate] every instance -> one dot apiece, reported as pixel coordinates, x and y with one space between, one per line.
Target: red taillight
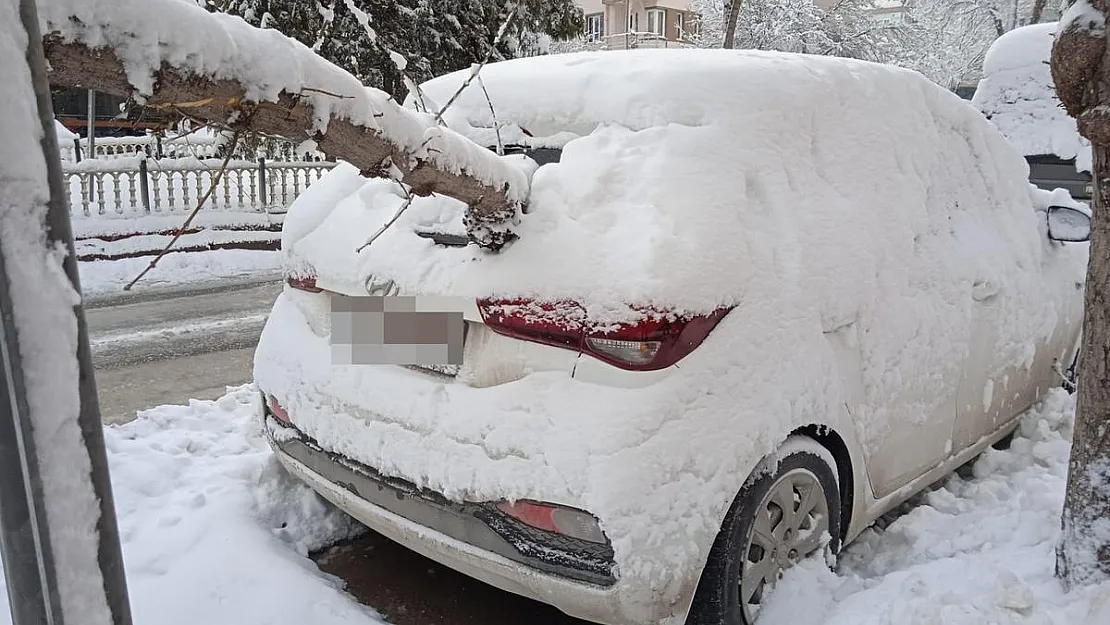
555 519
655 342
278 411
304 283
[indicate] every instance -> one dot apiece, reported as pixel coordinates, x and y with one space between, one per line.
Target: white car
756 300
1018 95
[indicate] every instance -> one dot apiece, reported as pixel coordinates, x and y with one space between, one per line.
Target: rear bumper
460 536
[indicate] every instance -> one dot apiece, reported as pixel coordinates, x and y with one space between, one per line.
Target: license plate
396 330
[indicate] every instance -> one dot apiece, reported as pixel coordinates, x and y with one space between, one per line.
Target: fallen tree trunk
347 120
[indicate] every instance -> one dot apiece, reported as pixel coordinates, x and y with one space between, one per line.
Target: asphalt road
160 348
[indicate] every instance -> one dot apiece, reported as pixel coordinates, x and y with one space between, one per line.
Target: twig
496 124
409 197
191 131
334 95
181 231
475 70
329 20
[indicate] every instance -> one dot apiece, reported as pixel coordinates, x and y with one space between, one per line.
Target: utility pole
35 540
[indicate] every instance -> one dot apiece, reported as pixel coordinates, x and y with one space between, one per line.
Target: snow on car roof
558 97
698 178
1018 94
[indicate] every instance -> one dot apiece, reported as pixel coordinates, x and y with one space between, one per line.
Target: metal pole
144 185
262 180
91 120
29 562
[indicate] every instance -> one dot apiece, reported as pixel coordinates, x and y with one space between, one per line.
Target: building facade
620 24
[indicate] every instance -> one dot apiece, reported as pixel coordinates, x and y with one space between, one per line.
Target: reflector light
555 519
304 283
278 411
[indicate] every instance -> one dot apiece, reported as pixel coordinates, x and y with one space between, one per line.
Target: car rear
427 453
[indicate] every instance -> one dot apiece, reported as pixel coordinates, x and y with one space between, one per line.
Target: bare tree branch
478 68
216 177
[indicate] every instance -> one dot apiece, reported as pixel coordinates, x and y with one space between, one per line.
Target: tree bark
1038 11
730 23
1082 76
489 211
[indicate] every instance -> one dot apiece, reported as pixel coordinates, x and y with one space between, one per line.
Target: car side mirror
1069 225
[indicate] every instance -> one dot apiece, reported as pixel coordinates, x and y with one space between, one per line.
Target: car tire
752 542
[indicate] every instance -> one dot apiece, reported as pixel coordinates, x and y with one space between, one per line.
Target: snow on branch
174 55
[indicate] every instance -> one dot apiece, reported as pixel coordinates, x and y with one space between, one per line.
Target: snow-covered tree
1082 77
433 37
843 29
947 39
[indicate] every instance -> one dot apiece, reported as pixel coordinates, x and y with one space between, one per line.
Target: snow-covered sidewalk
115 238
176 270
215 533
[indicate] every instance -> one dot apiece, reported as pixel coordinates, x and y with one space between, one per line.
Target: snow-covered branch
172 54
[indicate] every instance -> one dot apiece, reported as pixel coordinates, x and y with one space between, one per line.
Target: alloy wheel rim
790 523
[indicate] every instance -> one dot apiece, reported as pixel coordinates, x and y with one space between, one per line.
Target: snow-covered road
215 533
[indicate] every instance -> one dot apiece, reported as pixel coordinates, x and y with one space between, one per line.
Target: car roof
558 97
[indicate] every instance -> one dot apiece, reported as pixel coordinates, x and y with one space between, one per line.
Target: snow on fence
185 146
140 186
152 146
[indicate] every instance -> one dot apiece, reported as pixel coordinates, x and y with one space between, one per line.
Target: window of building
656 21
633 22
680 25
595 27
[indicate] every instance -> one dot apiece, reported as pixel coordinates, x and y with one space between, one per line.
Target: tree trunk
1084 553
492 201
730 23
1038 11
1082 79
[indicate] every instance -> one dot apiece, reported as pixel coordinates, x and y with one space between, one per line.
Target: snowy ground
178 269
213 531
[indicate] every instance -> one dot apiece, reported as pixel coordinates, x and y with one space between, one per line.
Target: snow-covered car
756 300
1018 95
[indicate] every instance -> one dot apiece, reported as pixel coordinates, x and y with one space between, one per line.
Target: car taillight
555 519
304 283
655 342
278 411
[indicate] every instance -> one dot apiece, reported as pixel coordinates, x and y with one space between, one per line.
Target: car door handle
984 290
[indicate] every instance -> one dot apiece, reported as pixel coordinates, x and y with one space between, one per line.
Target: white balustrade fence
149 145
153 146
141 186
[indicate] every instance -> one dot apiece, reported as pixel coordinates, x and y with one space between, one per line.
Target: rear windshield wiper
444 238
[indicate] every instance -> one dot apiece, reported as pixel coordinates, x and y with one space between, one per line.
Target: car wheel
780 516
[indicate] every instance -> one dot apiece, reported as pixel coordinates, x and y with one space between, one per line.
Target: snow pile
179 269
112 226
978 550
65 136
147 33
1018 95
213 530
